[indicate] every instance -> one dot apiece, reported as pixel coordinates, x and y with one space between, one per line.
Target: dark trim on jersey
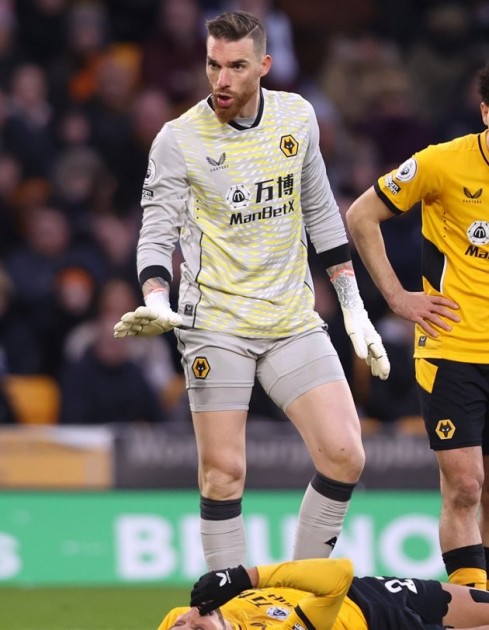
479 142
311 288
236 125
303 618
199 285
386 199
433 263
335 256
154 271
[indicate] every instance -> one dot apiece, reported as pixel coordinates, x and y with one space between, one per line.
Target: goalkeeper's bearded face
185 618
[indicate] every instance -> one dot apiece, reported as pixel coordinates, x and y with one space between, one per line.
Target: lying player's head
185 618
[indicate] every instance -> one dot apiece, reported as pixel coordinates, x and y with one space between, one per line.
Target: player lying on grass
319 594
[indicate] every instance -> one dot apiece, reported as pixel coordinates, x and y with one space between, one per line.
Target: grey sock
223 542
319 525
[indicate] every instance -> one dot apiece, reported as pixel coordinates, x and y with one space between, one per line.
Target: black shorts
456 412
401 603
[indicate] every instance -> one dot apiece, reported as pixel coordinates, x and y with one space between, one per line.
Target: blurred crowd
85 85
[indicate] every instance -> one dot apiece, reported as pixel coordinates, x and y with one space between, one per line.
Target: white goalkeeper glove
366 341
153 319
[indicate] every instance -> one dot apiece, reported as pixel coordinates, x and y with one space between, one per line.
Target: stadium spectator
18 342
116 238
46 250
173 53
391 113
10 180
74 294
441 57
10 55
82 187
28 130
106 385
109 108
149 111
40 29
86 35
357 64
153 356
464 114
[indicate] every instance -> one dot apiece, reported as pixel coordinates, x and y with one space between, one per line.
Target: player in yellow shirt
451 315
323 594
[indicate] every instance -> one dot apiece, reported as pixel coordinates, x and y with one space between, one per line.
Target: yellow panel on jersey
451 180
425 374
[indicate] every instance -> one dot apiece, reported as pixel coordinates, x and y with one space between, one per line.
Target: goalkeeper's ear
172 616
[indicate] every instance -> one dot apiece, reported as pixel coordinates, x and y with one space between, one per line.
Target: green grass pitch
88 608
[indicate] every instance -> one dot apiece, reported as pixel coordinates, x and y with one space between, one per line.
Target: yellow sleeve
327 580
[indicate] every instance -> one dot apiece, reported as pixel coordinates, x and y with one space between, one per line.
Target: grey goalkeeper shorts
220 369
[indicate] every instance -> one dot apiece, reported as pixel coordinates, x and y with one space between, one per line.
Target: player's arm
364 218
165 193
322 218
326 229
326 580
365 339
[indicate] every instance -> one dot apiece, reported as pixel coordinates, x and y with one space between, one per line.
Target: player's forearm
320 576
155 284
369 243
364 218
343 279
372 251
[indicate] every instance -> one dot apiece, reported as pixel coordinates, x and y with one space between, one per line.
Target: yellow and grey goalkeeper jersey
451 180
240 199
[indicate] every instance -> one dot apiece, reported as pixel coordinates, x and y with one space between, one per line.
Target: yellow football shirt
451 182
317 599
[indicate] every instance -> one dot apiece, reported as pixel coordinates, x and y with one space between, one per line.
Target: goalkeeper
240 210
319 594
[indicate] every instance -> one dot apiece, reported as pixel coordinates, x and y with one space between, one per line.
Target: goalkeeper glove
217 587
366 341
153 319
